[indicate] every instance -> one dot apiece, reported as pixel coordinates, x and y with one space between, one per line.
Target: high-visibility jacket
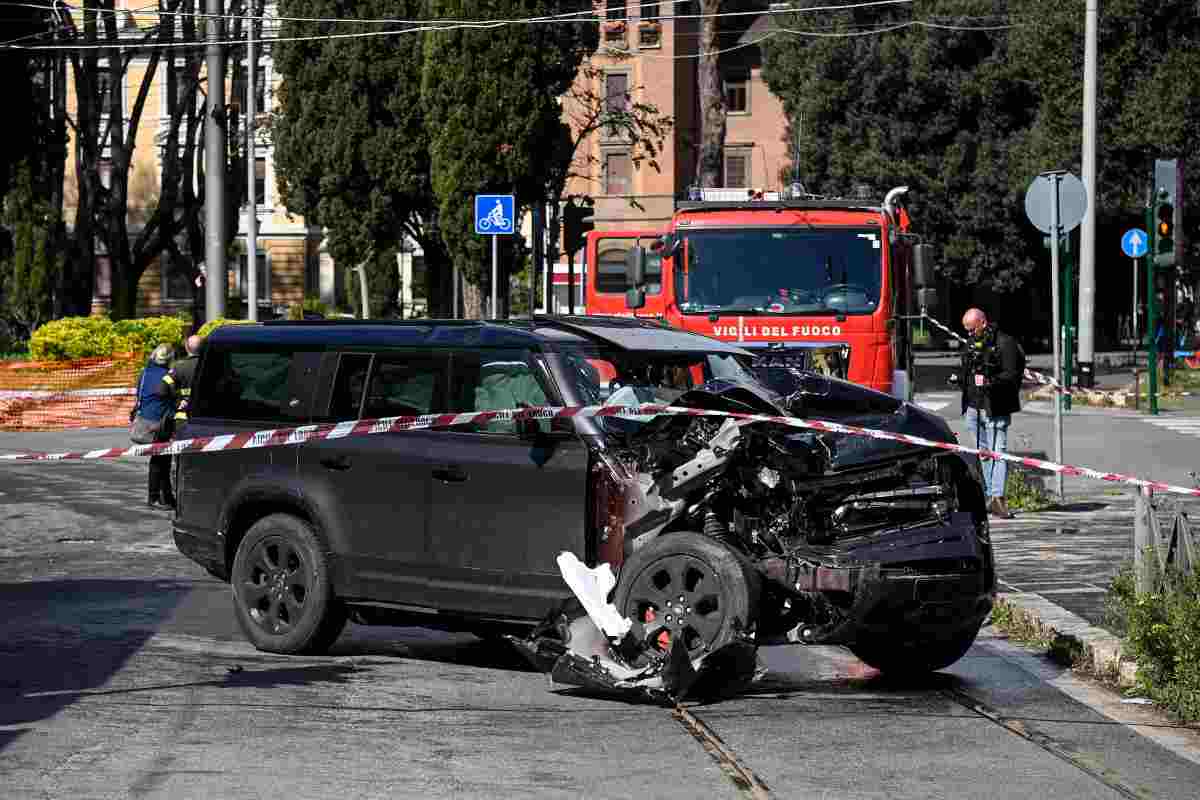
176 386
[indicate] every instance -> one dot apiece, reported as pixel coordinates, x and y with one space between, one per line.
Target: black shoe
156 503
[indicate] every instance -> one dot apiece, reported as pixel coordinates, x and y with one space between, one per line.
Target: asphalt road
122 674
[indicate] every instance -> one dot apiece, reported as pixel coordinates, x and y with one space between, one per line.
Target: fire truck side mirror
927 298
922 272
635 267
635 298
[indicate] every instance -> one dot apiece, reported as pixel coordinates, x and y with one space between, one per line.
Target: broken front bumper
927 582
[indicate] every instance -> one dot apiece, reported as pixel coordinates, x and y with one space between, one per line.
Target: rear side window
245 385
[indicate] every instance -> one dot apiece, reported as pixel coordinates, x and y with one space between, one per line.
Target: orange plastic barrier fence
50 395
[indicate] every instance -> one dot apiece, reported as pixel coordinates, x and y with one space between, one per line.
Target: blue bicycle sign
495 214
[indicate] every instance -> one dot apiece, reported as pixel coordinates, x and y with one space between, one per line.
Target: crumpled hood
807 395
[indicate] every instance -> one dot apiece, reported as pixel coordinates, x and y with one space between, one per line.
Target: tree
105 151
586 112
351 147
940 111
28 270
491 106
711 162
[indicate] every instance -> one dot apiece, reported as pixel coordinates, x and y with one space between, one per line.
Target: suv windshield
780 271
603 376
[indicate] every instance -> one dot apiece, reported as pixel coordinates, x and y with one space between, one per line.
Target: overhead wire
426 26
586 15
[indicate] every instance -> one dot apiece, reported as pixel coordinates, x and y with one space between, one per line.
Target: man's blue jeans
990 433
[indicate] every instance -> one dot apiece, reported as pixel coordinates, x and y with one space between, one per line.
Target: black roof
626 333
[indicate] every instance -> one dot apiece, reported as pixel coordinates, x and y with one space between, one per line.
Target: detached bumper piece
587 643
569 648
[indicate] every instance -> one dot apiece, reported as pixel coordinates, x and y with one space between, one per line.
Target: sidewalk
1055 568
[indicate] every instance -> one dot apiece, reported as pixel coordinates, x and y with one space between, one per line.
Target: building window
182 86
264 278
260 181
618 173
176 283
616 92
737 170
260 88
737 94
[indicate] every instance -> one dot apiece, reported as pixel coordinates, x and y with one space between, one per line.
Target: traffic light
577 221
1164 234
1164 230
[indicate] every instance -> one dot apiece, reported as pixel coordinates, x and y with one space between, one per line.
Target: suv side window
246 385
493 380
404 384
348 386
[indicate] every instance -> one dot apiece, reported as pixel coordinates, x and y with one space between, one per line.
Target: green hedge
99 337
1163 631
213 324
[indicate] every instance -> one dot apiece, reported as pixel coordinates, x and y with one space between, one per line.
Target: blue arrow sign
1135 242
494 214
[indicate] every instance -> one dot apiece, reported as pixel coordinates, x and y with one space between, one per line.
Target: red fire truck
823 284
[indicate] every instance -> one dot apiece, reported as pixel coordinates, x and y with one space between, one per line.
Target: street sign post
1055 203
495 215
1135 243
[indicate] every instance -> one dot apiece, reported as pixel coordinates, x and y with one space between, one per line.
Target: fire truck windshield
793 270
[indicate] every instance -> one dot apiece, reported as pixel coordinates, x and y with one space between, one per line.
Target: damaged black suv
719 529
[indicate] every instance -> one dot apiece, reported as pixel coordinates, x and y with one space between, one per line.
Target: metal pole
214 166
1055 335
457 307
1143 540
1133 324
549 276
251 194
571 283
539 252
495 274
1087 238
1151 313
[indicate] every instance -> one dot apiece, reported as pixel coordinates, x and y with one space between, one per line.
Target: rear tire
282 591
913 657
720 594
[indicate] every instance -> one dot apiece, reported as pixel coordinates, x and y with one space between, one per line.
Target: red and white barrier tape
305 433
1030 375
46 394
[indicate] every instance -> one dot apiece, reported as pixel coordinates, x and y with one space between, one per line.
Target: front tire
689 586
282 592
914 657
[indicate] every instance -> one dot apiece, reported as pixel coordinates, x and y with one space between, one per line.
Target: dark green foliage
29 268
1163 631
351 150
491 106
966 119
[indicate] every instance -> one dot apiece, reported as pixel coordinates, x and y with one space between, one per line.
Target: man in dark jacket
176 385
991 391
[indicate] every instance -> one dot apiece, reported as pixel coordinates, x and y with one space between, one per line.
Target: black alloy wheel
690 587
282 592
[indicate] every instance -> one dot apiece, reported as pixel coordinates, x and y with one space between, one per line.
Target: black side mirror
922 271
927 298
635 298
635 267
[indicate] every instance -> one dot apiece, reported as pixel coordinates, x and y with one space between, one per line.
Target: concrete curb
1101 651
